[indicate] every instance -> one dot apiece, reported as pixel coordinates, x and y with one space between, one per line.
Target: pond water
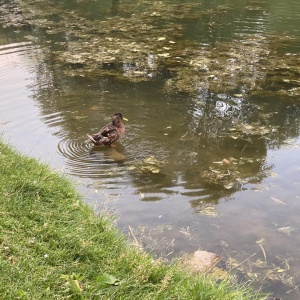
211 155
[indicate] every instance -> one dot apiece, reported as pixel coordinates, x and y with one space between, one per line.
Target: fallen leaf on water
209 211
148 164
229 185
287 230
151 160
251 275
278 201
273 174
95 107
81 117
163 54
154 170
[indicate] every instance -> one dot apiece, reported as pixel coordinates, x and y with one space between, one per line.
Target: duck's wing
109 135
106 136
108 131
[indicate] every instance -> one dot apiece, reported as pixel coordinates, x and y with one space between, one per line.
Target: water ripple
86 161
14 47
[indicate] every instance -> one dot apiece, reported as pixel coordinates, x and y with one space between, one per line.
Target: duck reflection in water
115 153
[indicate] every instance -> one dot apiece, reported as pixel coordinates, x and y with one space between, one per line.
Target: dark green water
211 156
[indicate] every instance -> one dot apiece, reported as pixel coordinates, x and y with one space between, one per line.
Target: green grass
52 246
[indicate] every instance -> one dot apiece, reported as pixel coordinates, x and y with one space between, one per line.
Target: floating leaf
286 230
163 54
252 275
155 170
229 185
209 211
151 160
81 117
278 201
148 164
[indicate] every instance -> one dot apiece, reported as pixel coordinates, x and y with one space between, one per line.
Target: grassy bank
53 247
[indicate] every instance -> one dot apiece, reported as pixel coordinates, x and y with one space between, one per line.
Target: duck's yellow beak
125 119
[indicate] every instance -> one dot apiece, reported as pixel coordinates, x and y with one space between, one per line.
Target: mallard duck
109 133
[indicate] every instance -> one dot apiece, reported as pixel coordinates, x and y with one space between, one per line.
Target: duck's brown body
109 133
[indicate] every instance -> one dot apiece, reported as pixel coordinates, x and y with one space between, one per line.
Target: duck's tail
92 139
